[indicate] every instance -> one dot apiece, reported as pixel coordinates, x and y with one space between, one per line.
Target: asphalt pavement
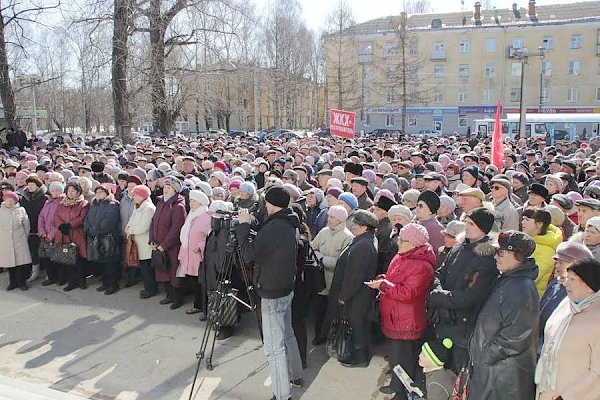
121 347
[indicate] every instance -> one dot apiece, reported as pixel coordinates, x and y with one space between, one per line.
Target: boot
168 294
35 273
178 295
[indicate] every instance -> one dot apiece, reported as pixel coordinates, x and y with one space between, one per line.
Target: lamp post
524 55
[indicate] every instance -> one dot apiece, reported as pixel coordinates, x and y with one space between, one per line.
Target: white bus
569 123
510 127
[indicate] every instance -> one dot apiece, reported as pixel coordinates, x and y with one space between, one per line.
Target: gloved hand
64 228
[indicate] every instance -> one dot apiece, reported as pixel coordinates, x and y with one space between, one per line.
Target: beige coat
328 245
14 231
578 358
139 227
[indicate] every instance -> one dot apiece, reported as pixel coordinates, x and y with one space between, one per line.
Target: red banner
341 123
497 144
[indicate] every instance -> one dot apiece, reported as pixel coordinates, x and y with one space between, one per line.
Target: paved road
123 348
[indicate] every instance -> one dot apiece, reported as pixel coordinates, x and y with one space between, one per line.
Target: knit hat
234 184
431 199
221 165
318 194
385 203
517 242
220 205
483 218
248 187
588 270
400 210
454 228
539 189
10 195
291 174
335 192
557 215
140 173
571 251
416 234
220 176
293 190
411 195
74 185
391 185
174 183
205 187
56 186
349 199
555 180
365 218
141 190
472 170
278 196
595 222
448 202
437 351
339 212
134 179
521 177
563 201
369 175
200 197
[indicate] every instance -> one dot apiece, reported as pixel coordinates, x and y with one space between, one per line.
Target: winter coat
33 204
126 207
214 254
328 245
578 357
13 237
103 219
545 248
386 248
461 286
191 257
139 227
554 294
73 215
46 225
273 250
506 215
503 345
440 384
434 229
365 202
404 294
319 223
356 264
164 231
311 219
568 228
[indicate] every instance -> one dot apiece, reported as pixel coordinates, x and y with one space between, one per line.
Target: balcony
438 55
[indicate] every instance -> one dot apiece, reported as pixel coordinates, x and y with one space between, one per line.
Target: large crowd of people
482 279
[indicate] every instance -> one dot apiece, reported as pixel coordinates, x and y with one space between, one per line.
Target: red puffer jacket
404 293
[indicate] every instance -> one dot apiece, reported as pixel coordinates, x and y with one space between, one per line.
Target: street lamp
524 55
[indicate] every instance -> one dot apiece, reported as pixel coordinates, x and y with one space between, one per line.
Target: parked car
384 131
427 132
235 134
324 133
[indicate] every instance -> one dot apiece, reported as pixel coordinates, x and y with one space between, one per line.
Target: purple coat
164 231
46 225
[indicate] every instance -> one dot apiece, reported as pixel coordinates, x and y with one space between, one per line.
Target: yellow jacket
545 247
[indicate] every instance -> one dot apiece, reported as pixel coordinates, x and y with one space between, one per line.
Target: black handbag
102 248
45 249
314 273
159 260
374 313
344 341
331 342
222 307
65 254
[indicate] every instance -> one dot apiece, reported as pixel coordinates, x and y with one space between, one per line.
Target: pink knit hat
15 196
415 234
142 191
339 212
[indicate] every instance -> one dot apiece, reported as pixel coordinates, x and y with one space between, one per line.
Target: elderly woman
138 228
537 224
126 207
349 298
103 221
404 289
13 241
591 236
328 245
193 236
502 347
47 230
164 236
68 221
33 200
567 368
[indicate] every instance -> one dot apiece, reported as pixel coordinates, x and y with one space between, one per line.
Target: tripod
220 303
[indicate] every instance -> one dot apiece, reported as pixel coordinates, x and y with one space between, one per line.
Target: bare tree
417 6
123 17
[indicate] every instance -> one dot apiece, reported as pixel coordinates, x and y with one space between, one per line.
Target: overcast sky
315 11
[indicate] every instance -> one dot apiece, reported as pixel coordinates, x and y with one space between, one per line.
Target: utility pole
524 55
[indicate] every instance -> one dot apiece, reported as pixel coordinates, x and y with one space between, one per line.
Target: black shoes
275 398
69 287
364 364
175 305
111 290
386 390
225 332
193 310
48 282
129 284
202 317
146 295
10 287
165 301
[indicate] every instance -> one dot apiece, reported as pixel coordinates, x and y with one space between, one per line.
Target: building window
365 49
517 42
547 68
368 120
545 95
490 70
438 71
391 49
438 47
438 97
463 121
390 72
413 50
487 95
367 97
367 74
490 45
598 94
574 67
389 97
412 119
572 94
548 43
464 46
576 41
463 71
463 96
516 69
389 120
515 94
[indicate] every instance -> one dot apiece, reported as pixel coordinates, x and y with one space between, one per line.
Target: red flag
497 144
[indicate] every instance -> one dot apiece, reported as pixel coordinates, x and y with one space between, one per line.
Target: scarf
166 198
556 328
72 202
187 225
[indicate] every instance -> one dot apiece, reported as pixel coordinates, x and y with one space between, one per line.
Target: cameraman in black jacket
273 251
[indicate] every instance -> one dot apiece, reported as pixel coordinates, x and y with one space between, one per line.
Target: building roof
545 14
